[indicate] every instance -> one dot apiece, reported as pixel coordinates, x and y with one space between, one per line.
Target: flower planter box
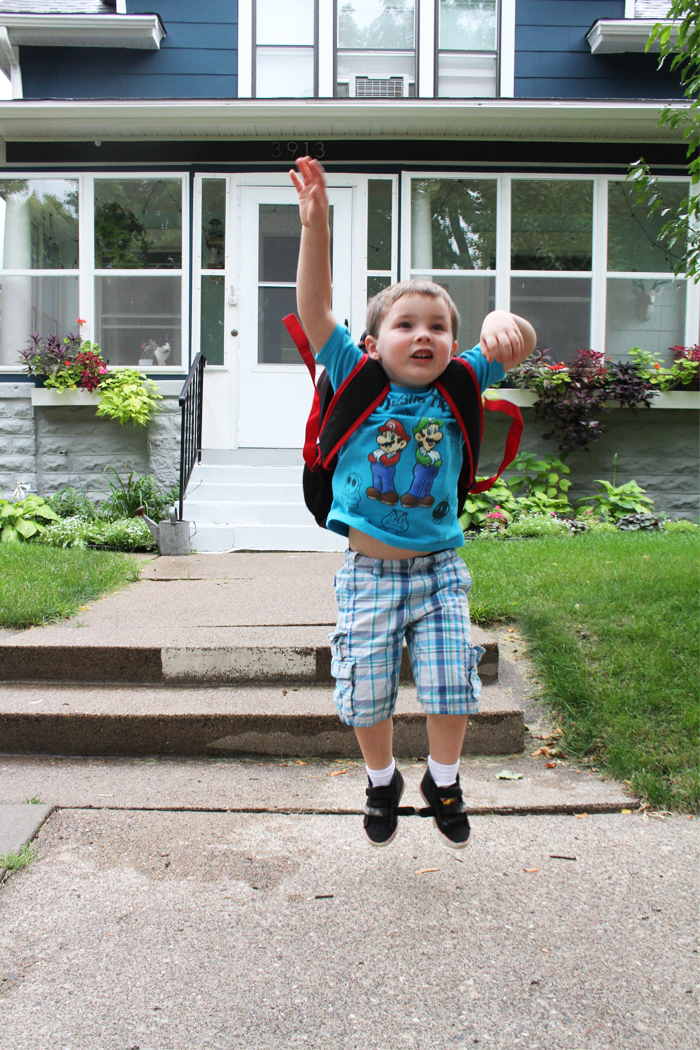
63 398
669 399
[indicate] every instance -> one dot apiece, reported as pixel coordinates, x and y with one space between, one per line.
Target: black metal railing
191 402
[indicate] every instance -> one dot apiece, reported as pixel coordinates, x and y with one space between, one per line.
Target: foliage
538 524
45 356
496 503
39 583
617 501
15 861
128 395
24 518
681 225
121 241
687 365
69 502
540 479
85 372
127 494
119 534
611 622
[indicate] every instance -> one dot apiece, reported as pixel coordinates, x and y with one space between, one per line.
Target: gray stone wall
52 447
658 448
17 438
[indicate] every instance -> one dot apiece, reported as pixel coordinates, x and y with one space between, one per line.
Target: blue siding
197 59
553 58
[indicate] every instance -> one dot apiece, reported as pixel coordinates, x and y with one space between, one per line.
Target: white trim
611 36
599 264
503 242
245 48
629 8
684 399
326 49
9 63
507 49
425 49
121 7
597 120
127 31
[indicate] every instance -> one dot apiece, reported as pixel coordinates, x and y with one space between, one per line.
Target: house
481 142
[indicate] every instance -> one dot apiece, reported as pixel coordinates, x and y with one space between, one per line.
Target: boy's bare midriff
372 548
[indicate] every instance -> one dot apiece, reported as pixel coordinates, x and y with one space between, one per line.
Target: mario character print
392 439
428 434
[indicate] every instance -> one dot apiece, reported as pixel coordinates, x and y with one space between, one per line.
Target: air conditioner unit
377 87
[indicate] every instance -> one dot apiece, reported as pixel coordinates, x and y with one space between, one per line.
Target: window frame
448 51
255 45
87 271
503 272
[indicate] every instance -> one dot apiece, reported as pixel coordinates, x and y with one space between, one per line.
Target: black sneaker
448 811
381 810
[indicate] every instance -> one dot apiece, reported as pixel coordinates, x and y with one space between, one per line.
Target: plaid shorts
381 602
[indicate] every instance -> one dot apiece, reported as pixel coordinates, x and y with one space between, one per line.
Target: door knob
234 331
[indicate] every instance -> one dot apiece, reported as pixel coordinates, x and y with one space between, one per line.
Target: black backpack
336 414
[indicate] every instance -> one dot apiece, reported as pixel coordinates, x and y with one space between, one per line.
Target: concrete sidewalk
168 922
211 655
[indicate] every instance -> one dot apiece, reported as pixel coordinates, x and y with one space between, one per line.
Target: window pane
275 345
650 314
284 72
282 22
48 305
552 223
473 296
375 285
379 199
633 237
559 309
468 25
453 224
132 310
213 224
379 74
38 224
376 24
138 224
212 323
279 236
466 76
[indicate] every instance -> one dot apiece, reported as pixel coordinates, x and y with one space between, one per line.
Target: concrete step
218 539
245 473
257 655
244 491
300 721
264 511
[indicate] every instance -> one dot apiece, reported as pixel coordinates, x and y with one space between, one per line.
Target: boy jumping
402 576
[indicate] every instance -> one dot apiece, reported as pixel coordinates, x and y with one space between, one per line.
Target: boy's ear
371 347
454 348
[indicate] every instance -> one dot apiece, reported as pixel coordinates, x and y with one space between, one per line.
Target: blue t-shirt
396 477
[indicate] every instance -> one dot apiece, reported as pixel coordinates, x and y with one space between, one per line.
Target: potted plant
44 357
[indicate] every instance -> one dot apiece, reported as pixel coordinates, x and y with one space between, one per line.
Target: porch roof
567 120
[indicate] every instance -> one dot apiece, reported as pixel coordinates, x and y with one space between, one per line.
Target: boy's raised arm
314 291
507 338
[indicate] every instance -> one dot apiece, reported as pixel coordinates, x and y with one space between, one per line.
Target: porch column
16 317
421 227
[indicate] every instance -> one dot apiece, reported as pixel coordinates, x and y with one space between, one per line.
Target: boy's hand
507 338
311 187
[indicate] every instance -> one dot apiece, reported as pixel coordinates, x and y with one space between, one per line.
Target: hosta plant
23 519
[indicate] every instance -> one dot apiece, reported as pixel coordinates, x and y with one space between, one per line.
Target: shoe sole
380 845
442 837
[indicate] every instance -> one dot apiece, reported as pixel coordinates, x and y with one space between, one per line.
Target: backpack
336 414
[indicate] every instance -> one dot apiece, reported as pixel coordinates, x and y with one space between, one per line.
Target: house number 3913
290 150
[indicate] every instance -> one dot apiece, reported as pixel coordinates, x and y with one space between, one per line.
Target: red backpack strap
293 325
512 441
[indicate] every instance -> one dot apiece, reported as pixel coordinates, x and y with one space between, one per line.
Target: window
467 49
39 256
381 237
576 256
138 269
285 48
376 55
212 260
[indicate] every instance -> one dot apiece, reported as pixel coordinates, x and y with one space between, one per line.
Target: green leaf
26 528
9 535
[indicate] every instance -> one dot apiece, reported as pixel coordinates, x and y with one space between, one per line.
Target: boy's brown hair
378 307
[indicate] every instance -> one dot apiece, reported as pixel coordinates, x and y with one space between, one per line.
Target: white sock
444 776
381 777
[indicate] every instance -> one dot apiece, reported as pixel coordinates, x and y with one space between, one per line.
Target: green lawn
40 583
612 624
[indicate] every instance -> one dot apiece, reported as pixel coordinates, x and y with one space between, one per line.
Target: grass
39 584
14 861
612 624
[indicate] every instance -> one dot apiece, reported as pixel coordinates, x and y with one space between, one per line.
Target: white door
273 393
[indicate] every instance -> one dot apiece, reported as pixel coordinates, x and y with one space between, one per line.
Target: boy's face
415 342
